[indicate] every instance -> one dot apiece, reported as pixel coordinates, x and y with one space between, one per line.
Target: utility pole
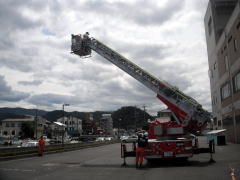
36 122
144 112
135 117
144 115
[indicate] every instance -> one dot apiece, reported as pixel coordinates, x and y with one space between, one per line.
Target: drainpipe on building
231 89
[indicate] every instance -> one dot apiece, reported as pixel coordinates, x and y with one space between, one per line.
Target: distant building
56 131
73 125
222 29
106 124
164 113
89 125
13 127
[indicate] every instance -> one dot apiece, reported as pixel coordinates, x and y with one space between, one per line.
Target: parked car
74 141
29 144
132 138
17 141
5 140
100 139
123 137
109 138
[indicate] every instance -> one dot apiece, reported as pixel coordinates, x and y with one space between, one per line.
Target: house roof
165 110
60 124
27 119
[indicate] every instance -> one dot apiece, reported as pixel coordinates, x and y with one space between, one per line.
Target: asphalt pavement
104 162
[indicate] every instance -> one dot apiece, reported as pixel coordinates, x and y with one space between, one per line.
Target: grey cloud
5 42
12 18
12 21
31 83
142 12
200 5
112 92
157 15
17 63
7 94
144 51
51 99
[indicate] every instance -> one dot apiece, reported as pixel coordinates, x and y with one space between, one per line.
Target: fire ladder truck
166 139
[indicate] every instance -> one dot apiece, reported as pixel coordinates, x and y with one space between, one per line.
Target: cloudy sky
165 37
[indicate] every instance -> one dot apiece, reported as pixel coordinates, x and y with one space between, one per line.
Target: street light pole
119 120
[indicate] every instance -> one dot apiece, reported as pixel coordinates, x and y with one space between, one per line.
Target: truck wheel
184 159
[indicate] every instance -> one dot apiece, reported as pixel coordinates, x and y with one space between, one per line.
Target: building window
215 65
226 62
229 40
238 25
5 133
219 123
210 73
235 45
210 26
7 124
236 82
214 100
12 125
215 121
13 133
225 91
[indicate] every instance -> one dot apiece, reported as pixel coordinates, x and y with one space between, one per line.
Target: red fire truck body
167 140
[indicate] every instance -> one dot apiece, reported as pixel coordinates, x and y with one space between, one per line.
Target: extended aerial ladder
189 113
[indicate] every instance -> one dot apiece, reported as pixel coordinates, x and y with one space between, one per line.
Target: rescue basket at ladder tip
80 45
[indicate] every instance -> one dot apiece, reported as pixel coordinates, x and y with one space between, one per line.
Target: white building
13 127
222 29
73 125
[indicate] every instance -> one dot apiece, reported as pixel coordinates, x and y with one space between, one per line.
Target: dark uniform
142 142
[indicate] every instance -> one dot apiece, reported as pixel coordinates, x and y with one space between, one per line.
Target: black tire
183 160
